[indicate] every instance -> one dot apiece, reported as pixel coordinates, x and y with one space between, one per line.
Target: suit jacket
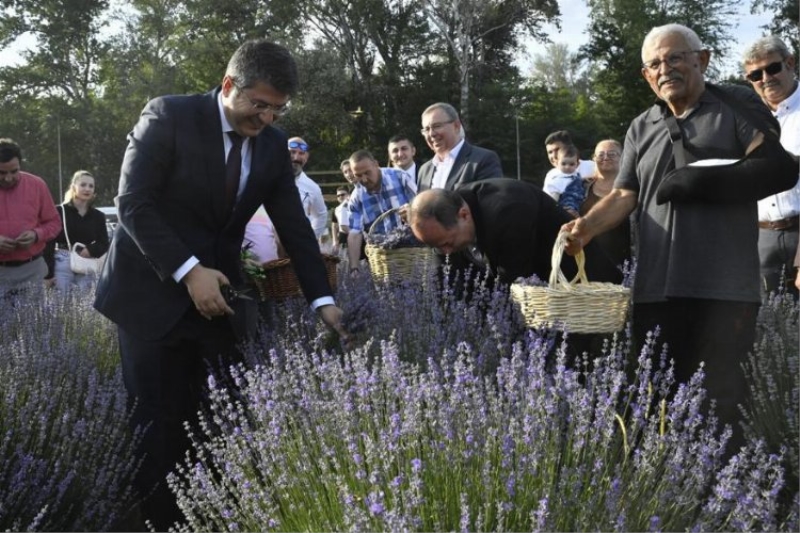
171 207
516 226
473 163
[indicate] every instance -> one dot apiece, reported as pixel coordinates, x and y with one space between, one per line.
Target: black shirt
89 230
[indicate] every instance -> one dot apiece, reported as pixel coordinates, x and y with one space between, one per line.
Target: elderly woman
616 242
80 223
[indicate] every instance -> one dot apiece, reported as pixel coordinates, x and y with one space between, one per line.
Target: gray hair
688 35
764 47
449 110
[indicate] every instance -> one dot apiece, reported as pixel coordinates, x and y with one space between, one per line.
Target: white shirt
787 203
342 214
559 183
585 169
313 203
411 170
246 158
444 166
260 234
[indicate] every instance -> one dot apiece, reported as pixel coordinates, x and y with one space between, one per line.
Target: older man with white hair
698 276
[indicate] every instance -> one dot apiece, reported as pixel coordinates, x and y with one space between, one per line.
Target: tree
467 24
785 22
616 30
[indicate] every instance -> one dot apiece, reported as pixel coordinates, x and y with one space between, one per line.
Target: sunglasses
771 69
297 145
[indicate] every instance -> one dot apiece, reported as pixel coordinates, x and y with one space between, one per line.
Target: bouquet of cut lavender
531 281
399 237
396 255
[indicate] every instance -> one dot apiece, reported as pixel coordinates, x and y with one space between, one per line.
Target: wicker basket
585 307
397 264
280 281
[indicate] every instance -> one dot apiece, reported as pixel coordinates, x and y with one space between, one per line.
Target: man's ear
464 213
227 85
704 56
790 62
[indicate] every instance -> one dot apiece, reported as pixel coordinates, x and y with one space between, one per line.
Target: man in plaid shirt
381 189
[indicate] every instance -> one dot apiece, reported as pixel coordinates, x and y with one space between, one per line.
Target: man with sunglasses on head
770 68
455 162
697 277
195 170
310 193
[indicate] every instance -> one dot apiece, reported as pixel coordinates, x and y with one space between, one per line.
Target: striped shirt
397 189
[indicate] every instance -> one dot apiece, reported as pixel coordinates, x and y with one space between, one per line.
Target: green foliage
94 66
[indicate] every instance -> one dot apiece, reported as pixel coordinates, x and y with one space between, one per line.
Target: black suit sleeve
145 172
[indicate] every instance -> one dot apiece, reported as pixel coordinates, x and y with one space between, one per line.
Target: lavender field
440 416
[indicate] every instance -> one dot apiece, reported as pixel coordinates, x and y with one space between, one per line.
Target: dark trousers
718 333
776 251
168 380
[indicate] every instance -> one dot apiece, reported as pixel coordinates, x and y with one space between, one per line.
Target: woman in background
85 225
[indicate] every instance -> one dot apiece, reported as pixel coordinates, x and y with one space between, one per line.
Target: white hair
656 33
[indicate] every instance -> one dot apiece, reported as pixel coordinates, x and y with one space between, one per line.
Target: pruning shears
230 294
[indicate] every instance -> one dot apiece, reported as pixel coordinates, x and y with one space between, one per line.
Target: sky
575 21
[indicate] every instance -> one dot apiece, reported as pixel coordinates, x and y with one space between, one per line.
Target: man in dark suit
506 226
455 162
182 212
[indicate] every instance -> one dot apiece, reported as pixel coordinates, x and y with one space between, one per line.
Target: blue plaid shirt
397 189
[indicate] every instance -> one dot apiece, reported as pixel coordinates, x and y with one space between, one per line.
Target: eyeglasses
263 107
611 154
297 145
673 60
433 128
341 195
758 74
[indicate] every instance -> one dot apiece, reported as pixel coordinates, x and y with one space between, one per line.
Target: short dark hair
259 60
441 205
343 163
359 155
343 188
569 150
9 150
399 138
560 136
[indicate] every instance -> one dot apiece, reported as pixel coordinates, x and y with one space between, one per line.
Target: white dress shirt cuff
185 268
319 302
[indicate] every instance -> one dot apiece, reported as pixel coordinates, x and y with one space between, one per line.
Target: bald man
504 226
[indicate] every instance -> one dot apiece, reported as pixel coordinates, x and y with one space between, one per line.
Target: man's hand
578 236
203 284
26 238
402 211
7 245
332 316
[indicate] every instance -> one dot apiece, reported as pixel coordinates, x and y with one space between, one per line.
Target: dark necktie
233 170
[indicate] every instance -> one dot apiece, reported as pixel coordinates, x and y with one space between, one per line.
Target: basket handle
557 277
380 219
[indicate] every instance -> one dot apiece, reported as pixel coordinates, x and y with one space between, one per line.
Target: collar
226 126
661 110
451 155
792 103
